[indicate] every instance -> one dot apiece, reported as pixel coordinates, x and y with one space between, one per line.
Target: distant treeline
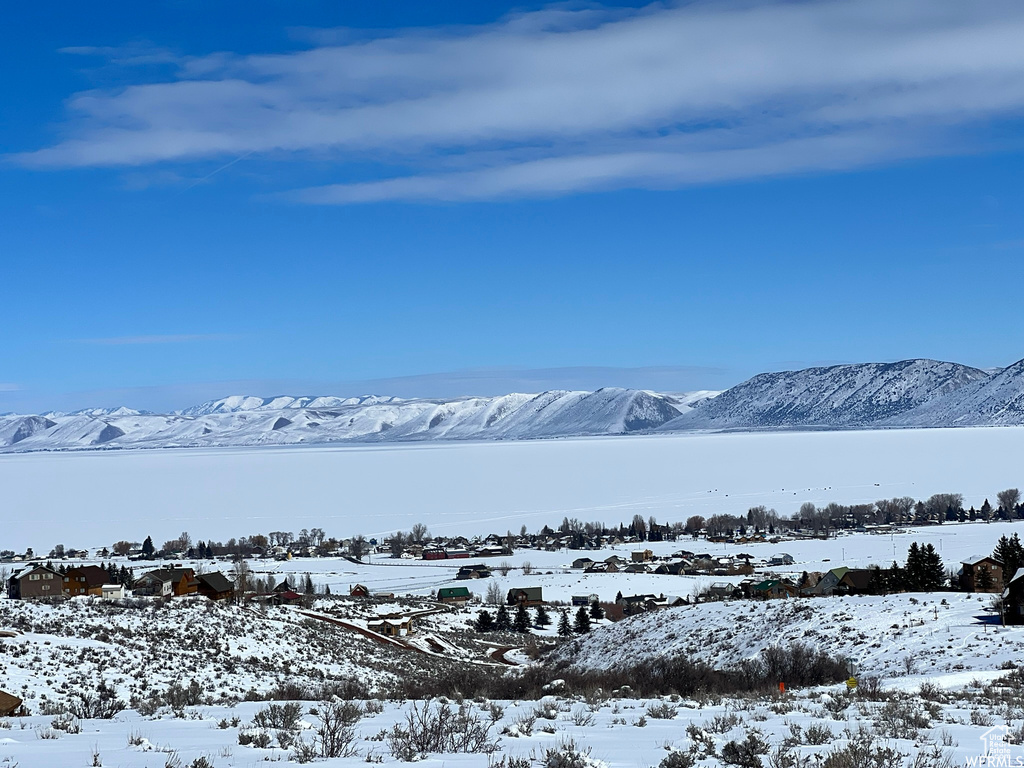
576 534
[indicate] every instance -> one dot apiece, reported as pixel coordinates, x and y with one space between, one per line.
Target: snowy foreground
479 488
941 671
932 669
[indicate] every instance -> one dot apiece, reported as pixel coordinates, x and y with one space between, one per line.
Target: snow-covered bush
439 728
568 755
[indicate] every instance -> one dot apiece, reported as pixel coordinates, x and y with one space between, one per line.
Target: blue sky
470 198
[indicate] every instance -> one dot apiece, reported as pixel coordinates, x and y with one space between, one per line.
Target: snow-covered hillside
887 636
837 396
244 420
996 400
921 393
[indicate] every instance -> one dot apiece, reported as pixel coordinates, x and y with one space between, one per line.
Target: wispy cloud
6 386
178 338
557 101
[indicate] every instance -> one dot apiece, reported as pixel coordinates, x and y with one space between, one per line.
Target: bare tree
527 568
494 596
242 577
939 504
358 547
504 567
1008 500
122 548
420 533
397 544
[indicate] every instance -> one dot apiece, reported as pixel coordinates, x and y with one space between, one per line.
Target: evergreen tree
327 589
147 547
596 611
582 623
986 511
915 568
897 578
564 628
543 619
933 573
112 574
502 621
879 582
484 622
984 581
522 620
1010 552
307 585
618 597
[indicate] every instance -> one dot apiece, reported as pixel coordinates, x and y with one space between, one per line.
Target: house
167 582
478 571
774 588
978 570
1013 599
359 590
10 706
781 559
284 597
113 592
581 562
392 625
84 580
215 586
857 581
642 556
454 595
637 568
720 590
578 600
633 604
828 583
34 582
434 553
528 596
493 551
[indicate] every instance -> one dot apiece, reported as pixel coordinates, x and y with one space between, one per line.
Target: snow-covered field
91 499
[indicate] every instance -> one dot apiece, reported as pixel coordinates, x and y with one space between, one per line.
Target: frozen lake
94 498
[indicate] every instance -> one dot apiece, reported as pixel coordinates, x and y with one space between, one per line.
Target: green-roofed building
456 595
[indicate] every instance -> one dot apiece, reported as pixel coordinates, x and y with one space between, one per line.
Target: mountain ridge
908 393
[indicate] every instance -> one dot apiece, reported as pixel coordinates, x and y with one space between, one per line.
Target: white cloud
556 101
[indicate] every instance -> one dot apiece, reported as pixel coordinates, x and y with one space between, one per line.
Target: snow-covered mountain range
912 393
245 420
865 394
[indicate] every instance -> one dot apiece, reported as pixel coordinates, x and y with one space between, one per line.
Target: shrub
746 753
335 736
280 716
440 728
677 759
900 719
661 711
862 752
818 734
568 755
